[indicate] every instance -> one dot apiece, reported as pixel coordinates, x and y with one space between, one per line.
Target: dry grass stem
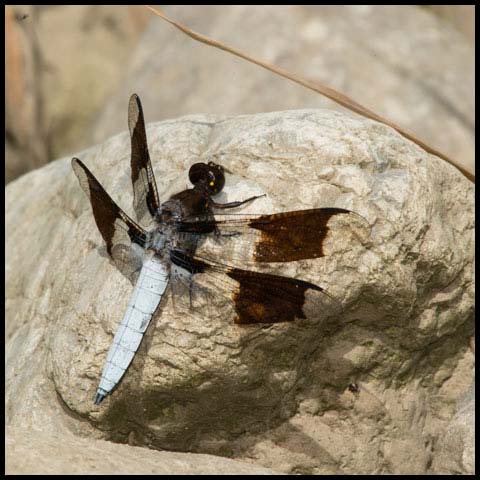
313 85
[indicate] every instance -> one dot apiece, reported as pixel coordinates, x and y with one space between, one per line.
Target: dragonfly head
210 175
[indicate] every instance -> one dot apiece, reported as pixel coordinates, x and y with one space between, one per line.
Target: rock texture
457 446
275 395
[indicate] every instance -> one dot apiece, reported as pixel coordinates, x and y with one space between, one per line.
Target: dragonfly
167 254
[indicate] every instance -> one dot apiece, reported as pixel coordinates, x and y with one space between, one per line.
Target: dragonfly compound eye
211 175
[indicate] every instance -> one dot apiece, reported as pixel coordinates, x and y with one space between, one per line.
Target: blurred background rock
70 69
62 63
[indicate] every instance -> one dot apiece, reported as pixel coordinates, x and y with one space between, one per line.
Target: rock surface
457 446
276 396
72 455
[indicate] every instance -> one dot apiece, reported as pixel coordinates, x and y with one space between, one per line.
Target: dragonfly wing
145 195
115 226
279 237
256 297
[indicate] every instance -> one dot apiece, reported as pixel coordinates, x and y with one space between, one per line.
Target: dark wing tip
304 286
134 102
76 162
308 285
361 217
344 211
135 112
79 169
351 212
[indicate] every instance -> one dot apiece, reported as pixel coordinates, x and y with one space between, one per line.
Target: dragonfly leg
190 287
235 204
174 293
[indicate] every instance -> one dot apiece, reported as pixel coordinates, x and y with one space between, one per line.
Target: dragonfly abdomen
146 296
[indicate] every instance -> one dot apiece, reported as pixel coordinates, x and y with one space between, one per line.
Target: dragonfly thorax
159 239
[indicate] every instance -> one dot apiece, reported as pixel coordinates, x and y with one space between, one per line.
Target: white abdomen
151 285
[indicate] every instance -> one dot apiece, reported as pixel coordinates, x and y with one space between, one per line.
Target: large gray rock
400 61
275 395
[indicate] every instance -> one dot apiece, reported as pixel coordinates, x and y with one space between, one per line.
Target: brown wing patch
281 237
257 297
266 298
115 226
295 235
145 195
